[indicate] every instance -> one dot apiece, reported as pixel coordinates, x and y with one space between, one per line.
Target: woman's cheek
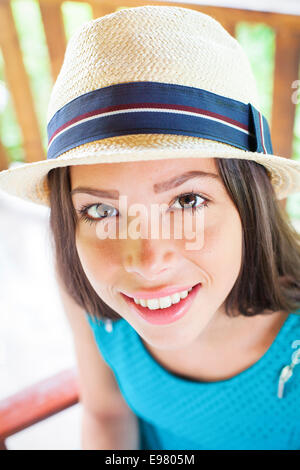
221 253
229 243
98 259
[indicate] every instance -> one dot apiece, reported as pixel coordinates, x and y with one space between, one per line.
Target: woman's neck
241 333
226 347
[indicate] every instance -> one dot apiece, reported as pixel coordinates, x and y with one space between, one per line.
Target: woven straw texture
165 44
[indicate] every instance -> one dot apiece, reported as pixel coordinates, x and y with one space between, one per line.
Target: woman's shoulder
294 323
109 329
103 323
114 339
294 319
290 330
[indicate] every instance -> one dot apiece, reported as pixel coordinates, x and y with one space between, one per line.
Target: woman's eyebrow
180 179
158 187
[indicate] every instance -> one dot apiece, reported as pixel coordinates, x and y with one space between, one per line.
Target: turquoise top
240 413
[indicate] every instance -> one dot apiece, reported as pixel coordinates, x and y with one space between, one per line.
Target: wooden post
3 158
55 34
286 70
101 8
285 73
18 84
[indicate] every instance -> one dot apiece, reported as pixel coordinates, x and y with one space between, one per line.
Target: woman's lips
155 294
163 316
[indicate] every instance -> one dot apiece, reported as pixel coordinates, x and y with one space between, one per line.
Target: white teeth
153 304
163 302
176 297
183 294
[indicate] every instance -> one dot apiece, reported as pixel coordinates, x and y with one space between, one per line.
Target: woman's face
130 264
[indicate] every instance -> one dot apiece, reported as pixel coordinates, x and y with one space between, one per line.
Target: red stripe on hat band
108 109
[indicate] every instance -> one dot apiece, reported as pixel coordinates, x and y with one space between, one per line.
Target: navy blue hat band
157 108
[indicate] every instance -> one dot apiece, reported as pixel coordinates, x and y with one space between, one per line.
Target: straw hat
148 83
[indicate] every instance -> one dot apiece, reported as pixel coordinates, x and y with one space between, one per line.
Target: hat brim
29 180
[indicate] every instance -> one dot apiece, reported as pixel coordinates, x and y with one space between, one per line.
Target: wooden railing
37 402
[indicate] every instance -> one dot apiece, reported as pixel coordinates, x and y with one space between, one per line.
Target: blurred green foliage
257 40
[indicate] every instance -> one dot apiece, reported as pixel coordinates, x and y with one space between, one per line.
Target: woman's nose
148 258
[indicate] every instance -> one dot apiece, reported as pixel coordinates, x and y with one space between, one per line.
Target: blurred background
35 339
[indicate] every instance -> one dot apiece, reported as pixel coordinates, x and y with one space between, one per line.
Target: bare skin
222 361
204 344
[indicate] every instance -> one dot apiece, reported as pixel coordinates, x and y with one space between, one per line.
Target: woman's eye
191 201
95 212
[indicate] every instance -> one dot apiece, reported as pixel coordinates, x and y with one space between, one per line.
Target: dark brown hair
269 280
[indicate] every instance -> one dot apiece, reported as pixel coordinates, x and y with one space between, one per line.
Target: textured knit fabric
239 413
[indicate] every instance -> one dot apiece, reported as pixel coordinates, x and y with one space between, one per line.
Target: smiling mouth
158 293
153 313
163 302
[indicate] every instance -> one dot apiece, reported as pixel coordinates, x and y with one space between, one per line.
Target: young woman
178 346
